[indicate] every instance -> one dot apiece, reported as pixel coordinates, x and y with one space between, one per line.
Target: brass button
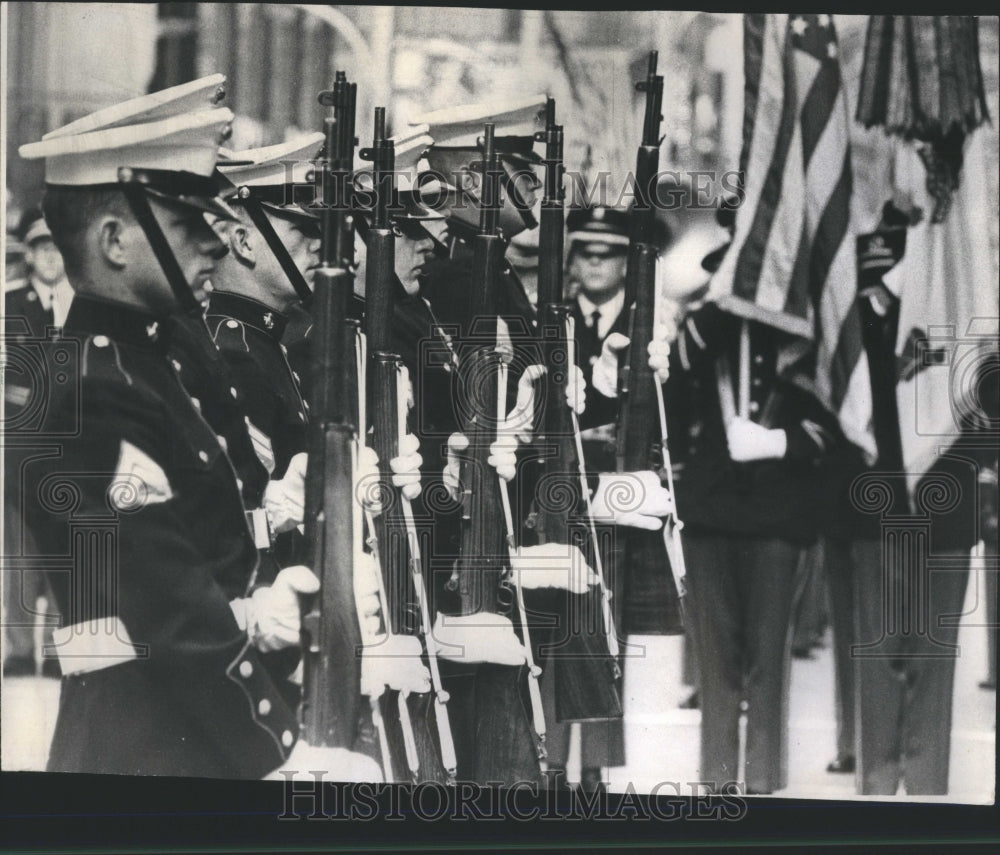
287 739
246 668
264 707
203 456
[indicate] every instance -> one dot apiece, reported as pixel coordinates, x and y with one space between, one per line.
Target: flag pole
744 401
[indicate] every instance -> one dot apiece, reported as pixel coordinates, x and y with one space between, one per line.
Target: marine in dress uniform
159 645
746 488
34 314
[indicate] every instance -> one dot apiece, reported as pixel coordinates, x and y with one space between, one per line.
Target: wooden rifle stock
331 702
583 670
411 717
652 602
502 739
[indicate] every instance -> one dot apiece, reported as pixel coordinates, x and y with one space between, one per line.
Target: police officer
159 649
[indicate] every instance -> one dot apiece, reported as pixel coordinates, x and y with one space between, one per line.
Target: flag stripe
831 231
818 107
751 258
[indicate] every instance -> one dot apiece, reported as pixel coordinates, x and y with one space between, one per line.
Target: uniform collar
609 309
92 316
249 311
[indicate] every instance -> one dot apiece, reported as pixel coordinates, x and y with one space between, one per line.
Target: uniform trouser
840 580
22 587
810 615
904 690
602 743
740 590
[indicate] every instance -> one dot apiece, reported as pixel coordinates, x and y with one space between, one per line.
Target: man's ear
238 238
113 242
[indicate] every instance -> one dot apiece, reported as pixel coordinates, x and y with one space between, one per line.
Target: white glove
483 637
576 390
519 421
635 499
366 597
340 764
367 481
750 441
453 468
503 457
605 375
659 353
393 662
284 500
552 565
272 616
406 466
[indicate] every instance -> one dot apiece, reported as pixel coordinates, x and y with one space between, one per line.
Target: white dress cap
461 127
269 166
184 143
193 97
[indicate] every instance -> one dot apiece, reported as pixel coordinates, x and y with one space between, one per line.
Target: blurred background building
68 59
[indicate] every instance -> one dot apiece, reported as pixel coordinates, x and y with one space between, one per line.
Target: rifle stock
501 739
584 672
415 734
652 601
331 704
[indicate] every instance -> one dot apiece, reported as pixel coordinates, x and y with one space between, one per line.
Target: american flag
791 263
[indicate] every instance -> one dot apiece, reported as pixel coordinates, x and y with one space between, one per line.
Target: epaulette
100 359
230 334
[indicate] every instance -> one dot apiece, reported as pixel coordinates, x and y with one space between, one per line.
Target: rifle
653 602
584 672
502 735
396 541
331 702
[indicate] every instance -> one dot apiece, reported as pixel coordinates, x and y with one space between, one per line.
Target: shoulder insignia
100 355
138 481
228 332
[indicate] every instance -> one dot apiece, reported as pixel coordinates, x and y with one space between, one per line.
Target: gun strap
263 224
138 201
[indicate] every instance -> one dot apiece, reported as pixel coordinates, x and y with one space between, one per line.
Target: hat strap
138 201
291 269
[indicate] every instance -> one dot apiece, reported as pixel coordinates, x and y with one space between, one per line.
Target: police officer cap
598 224
517 121
33 227
281 176
193 97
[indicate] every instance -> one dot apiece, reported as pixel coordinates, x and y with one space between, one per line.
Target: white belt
93 645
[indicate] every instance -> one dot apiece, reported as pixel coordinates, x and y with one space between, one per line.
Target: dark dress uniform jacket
213 390
248 334
766 498
145 503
